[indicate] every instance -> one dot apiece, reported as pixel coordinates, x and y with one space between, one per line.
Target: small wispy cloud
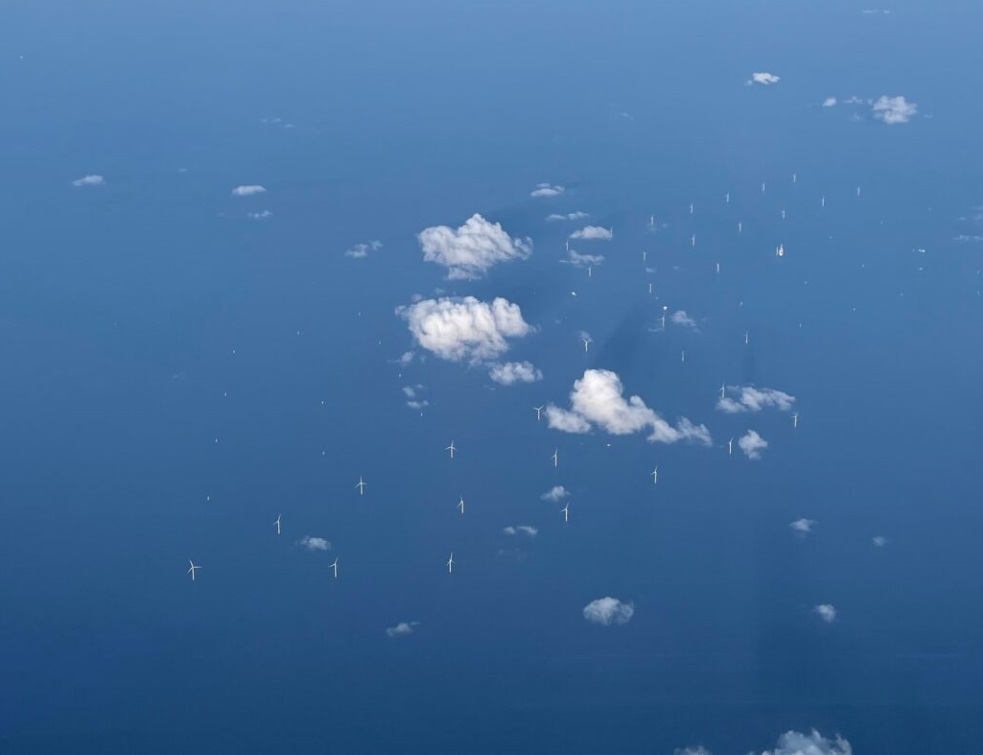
261 215
248 190
577 259
598 399
314 543
795 743
465 329
510 373
521 529
472 249
829 102
764 78
402 629
691 751
826 612
893 110
547 190
803 525
555 493
682 319
405 358
752 444
90 180
965 238
556 217
747 398
608 611
360 251
593 233
879 541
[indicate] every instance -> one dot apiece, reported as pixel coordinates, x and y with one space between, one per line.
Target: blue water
144 319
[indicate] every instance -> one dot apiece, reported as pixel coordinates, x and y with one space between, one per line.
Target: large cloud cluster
597 399
747 398
472 249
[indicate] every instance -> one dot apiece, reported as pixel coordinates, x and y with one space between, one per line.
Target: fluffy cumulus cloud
793 743
764 78
362 250
555 493
90 180
829 102
510 373
465 329
752 444
583 260
314 543
608 611
248 190
747 398
597 399
402 629
577 215
826 612
803 525
893 110
521 529
472 249
547 190
680 317
593 233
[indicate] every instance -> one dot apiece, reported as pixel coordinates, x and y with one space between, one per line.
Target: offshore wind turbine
277 523
740 226
566 512
450 564
556 457
192 569
655 475
539 411
361 485
460 504
586 339
723 389
451 449
795 420
730 447
335 567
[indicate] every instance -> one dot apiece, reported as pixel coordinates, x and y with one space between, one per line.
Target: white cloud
879 541
402 628
510 373
90 180
583 260
593 233
547 190
473 249
405 358
608 611
359 251
457 329
248 190
747 398
829 102
597 399
261 215
764 78
555 493
796 743
680 317
521 529
893 110
752 444
692 751
314 543
966 238
578 215
826 612
803 525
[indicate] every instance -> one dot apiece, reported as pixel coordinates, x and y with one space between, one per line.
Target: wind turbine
539 410
682 356
566 512
335 567
451 449
822 202
730 447
655 475
192 569
723 389
692 240
746 336
556 457
728 197
795 420
361 485
690 208
586 339
277 523
740 226
460 504
450 564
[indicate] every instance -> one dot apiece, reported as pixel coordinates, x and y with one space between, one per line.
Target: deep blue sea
176 374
